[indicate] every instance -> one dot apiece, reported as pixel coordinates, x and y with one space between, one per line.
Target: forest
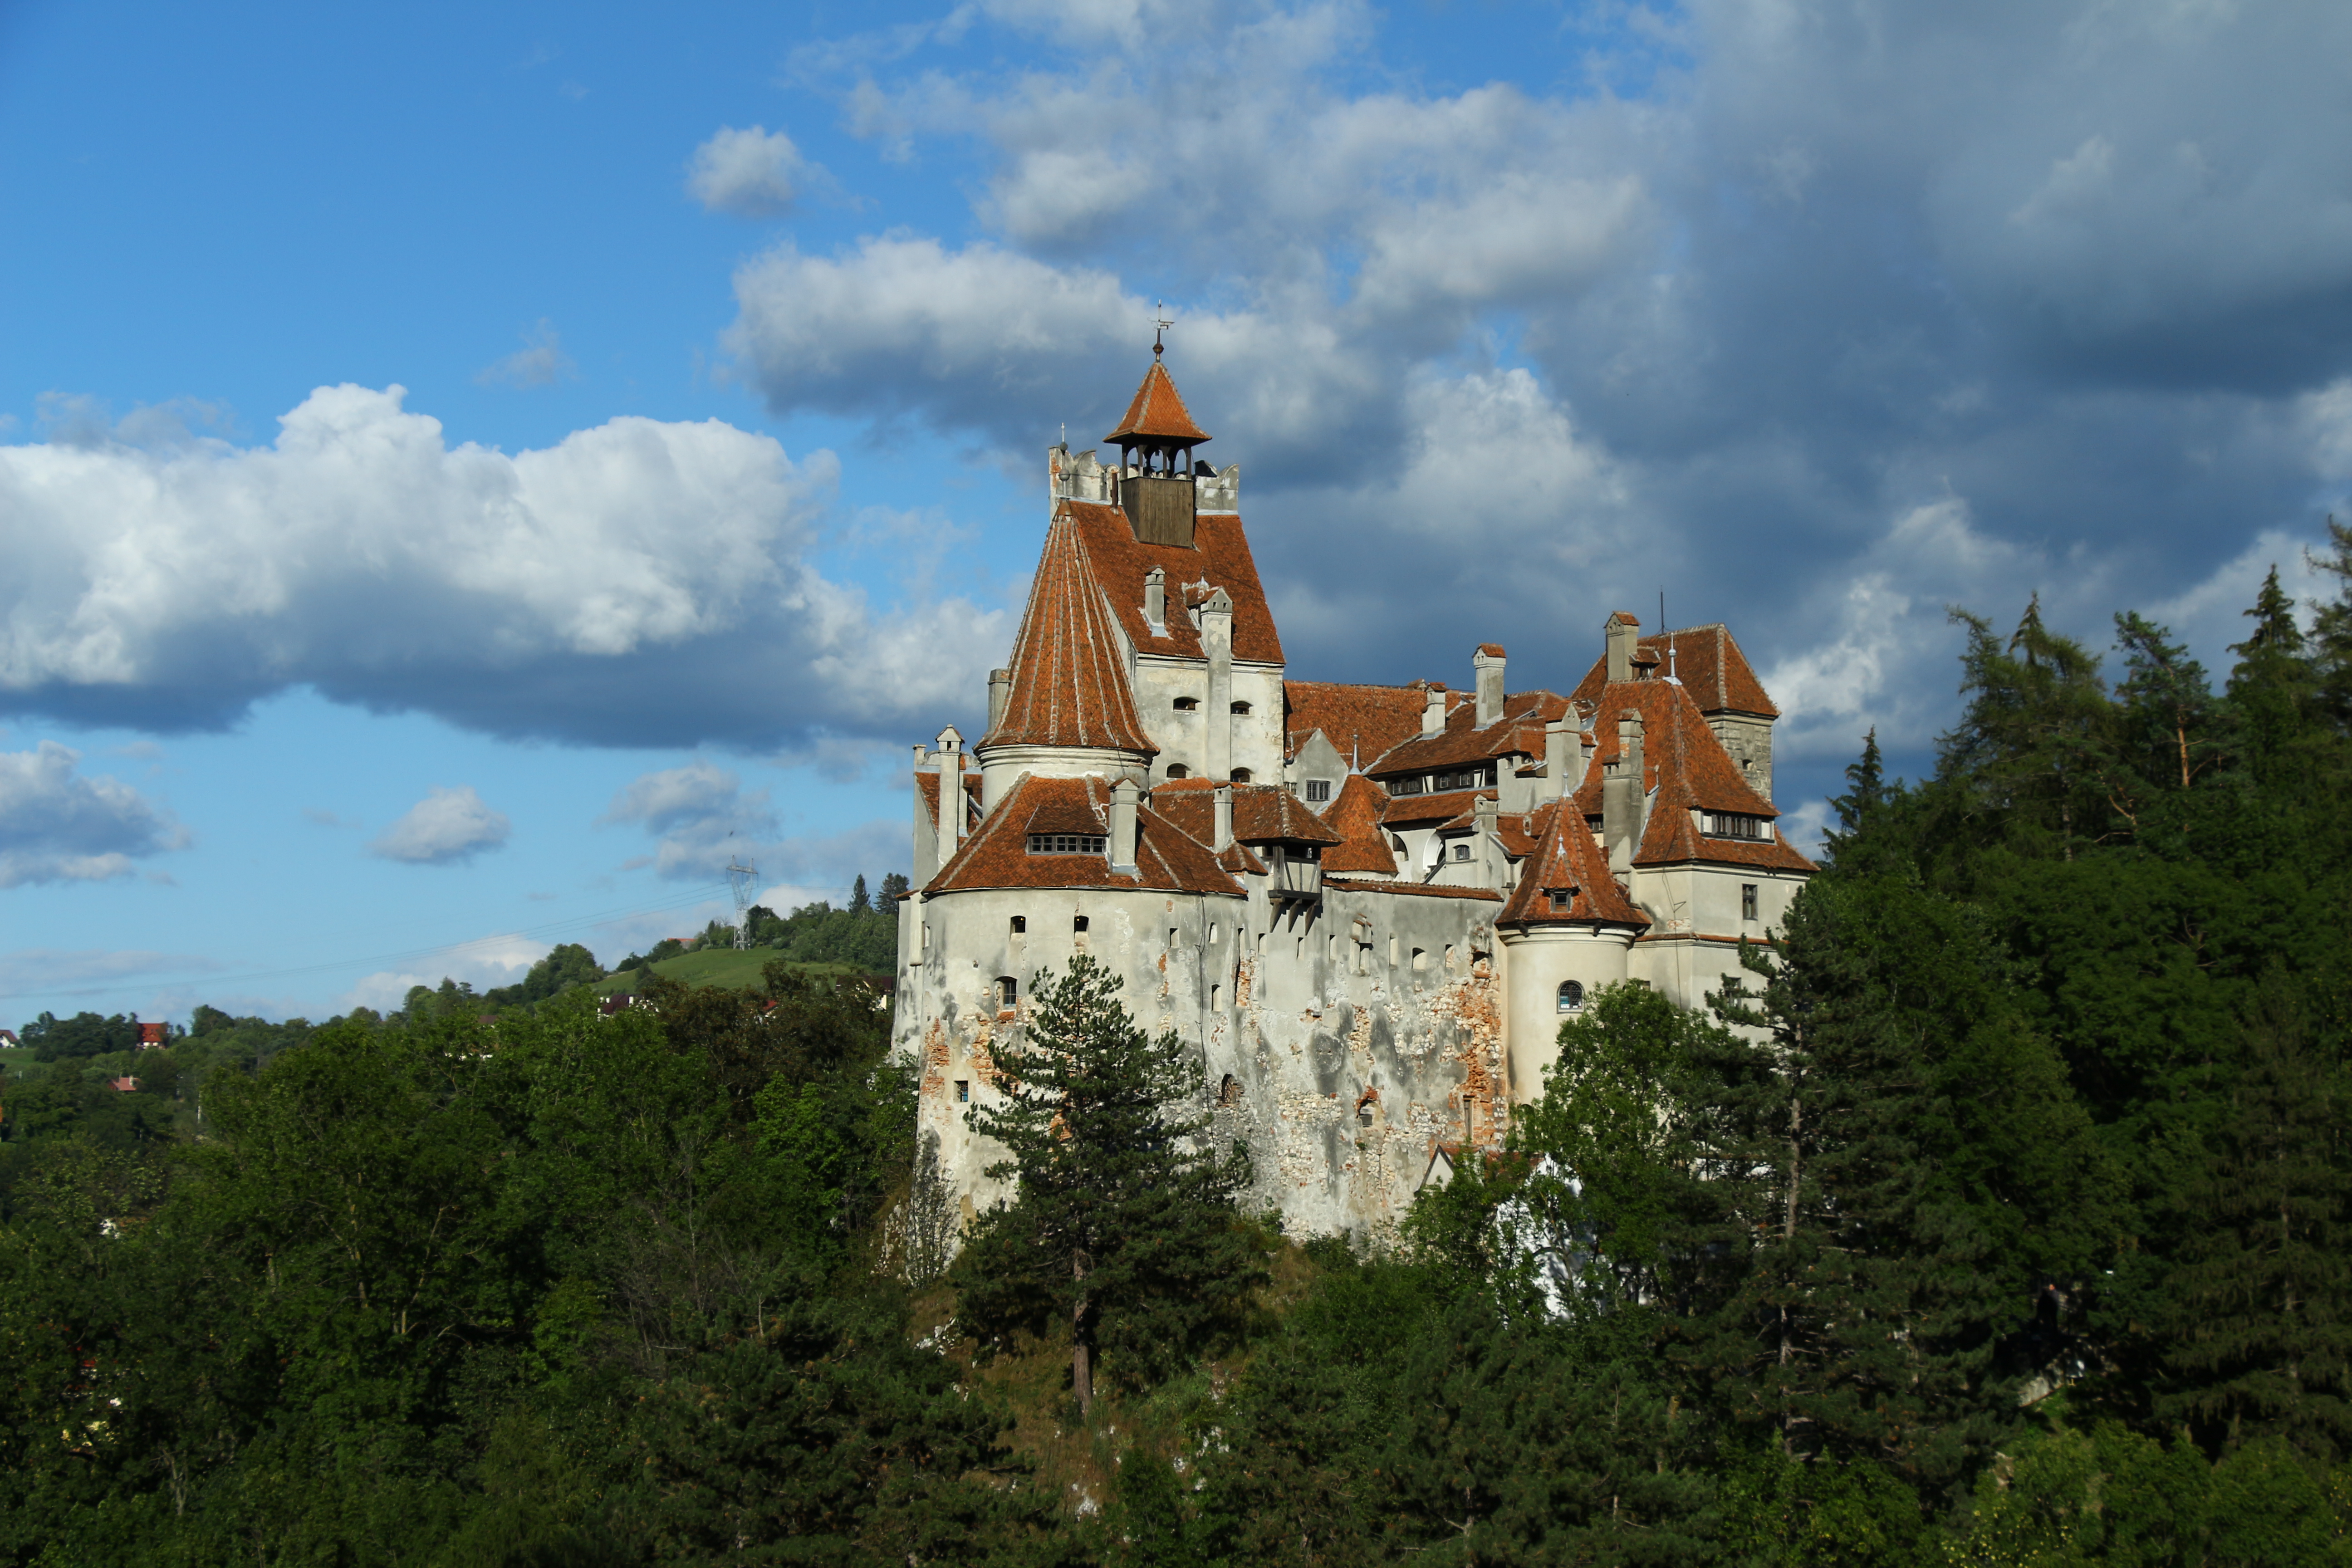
1997 1216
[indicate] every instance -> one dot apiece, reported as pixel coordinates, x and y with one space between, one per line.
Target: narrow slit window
1747 900
963 1091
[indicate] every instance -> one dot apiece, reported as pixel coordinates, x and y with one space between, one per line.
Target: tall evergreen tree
1122 1225
859 903
2261 1330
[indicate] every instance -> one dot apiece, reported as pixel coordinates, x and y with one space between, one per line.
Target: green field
717 966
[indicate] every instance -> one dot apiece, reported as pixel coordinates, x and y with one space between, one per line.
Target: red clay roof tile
1570 861
1158 412
1069 677
1355 817
997 855
1707 659
1218 556
1360 721
1262 814
1688 769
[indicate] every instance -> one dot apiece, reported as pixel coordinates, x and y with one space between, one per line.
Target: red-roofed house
1368 906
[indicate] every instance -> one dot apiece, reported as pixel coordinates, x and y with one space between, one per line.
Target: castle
1368 906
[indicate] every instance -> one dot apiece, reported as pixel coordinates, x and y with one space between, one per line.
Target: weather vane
1160 324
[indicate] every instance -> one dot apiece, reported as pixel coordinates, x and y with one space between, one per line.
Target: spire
1567 882
1158 415
1070 683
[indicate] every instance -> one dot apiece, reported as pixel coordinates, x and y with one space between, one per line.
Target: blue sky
466 472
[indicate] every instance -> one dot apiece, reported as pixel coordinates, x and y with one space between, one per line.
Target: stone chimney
1563 756
1217 642
1155 599
1000 692
1623 795
1433 713
1485 815
951 807
1487 662
1122 825
1622 633
1224 799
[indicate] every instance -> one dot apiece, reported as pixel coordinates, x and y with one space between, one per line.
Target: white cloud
751 172
447 824
700 812
639 583
483 963
57 826
541 362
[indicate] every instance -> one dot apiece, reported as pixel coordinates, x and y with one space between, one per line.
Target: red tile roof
1361 721
1355 817
1689 769
1706 659
1218 556
997 855
927 787
1069 677
1519 729
1568 859
1417 889
1158 412
1421 810
1262 814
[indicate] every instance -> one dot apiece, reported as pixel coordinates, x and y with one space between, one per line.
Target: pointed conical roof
1070 683
1158 413
1569 861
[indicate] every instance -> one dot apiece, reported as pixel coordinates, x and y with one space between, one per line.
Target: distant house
124 1085
154 1036
611 1004
8 1038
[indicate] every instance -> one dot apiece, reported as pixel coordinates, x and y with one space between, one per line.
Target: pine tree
1123 1224
2032 740
2331 629
2273 688
859 903
2169 713
2262 1319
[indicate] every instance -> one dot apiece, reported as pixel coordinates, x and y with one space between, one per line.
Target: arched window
1572 996
1243 775
1179 771
1241 707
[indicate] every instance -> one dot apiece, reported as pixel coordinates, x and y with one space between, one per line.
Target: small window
1067 844
1243 775
1419 959
1747 900
1216 997
1462 851
1396 842
1187 704
1229 1094
1407 787
1179 771
1562 900
1077 922
1212 933
1008 991
963 1091
1240 707
1729 825
1318 790
1572 996
1020 925
1171 939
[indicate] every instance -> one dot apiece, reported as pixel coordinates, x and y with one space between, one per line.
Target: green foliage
1122 1227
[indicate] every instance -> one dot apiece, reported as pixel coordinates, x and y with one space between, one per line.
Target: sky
466 473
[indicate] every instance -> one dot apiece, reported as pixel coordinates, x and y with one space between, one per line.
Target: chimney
1486 813
1224 799
1155 599
1621 632
1217 642
1623 794
1563 756
1488 664
1122 825
1000 692
926 827
1432 715
950 792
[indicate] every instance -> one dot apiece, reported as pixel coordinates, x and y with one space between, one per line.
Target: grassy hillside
739 970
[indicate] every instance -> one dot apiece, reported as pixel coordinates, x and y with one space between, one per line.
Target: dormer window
1187 704
1068 843
1562 900
1729 825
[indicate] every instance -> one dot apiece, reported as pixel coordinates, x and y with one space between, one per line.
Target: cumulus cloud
702 814
751 172
58 826
641 583
541 362
447 826
1832 317
483 963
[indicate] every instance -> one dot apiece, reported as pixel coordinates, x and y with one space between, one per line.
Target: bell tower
1155 445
